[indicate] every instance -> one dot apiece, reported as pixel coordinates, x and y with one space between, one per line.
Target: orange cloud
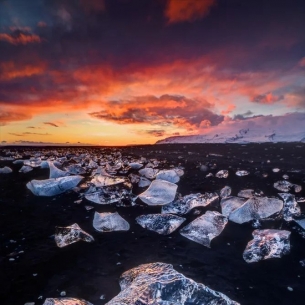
10 116
20 38
187 10
10 70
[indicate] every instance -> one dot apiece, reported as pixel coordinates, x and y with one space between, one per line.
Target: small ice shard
256 208
33 162
222 174
52 187
225 192
168 175
25 169
183 205
5 170
100 171
56 172
179 171
300 199
143 182
242 173
300 222
101 180
275 170
135 165
248 193
286 186
148 172
134 178
18 161
267 244
204 228
158 283
65 236
291 207
230 204
209 175
65 301
161 223
285 177
92 164
160 192
204 168
75 169
109 222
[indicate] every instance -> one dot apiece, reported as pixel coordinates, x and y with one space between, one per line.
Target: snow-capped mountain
286 128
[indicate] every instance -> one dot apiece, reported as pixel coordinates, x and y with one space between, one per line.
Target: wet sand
90 270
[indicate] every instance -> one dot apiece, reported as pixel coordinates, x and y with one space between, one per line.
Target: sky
123 72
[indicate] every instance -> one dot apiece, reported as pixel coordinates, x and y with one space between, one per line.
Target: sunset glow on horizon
122 72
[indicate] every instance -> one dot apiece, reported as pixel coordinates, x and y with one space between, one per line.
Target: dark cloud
51 124
155 132
36 133
10 116
20 37
167 109
16 134
267 98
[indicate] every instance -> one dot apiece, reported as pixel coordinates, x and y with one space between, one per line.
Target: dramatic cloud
7 117
167 109
187 10
18 37
156 132
51 124
268 98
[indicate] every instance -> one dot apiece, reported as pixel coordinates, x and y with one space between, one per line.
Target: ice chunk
267 244
225 192
160 223
25 169
291 207
65 301
135 165
242 173
222 174
148 172
275 170
75 169
246 193
300 222
256 208
179 171
168 175
52 187
185 204
143 182
160 192
101 180
33 162
159 284
5 170
56 172
204 228
109 222
65 236
286 186
230 204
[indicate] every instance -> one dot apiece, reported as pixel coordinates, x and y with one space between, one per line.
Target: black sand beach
89 270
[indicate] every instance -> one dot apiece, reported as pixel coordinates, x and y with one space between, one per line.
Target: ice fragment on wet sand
75 169
65 236
143 182
300 222
246 193
267 244
230 204
109 222
183 205
242 173
159 283
256 208
160 192
33 162
135 165
225 192
291 207
168 175
286 186
148 172
160 223
65 301
101 180
56 172
222 174
52 187
5 170
204 228
25 169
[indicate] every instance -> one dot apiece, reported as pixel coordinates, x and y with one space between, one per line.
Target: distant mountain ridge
286 128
